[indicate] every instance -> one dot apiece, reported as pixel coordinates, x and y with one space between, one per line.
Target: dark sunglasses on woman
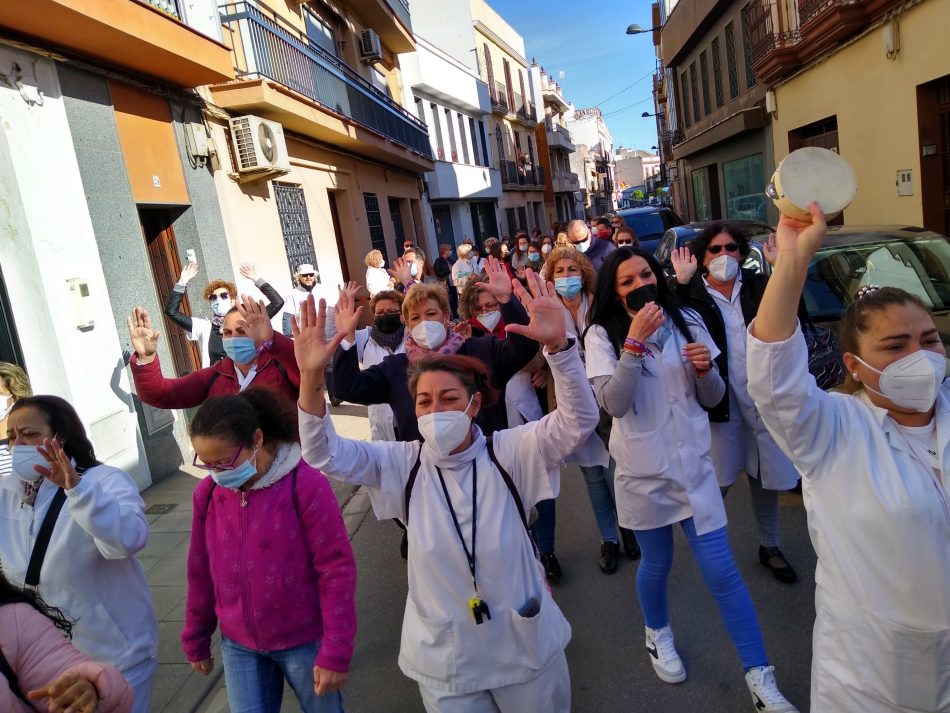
729 248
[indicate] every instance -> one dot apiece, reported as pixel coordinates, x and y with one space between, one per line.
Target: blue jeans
718 567
600 486
543 528
255 679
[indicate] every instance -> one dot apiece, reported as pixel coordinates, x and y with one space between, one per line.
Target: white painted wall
454 181
46 237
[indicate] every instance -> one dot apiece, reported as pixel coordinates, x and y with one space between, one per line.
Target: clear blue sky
586 40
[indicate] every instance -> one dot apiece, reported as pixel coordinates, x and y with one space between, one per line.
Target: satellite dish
265 137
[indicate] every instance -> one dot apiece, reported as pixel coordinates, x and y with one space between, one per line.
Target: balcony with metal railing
564 182
773 38
526 113
521 177
825 23
284 76
499 98
559 139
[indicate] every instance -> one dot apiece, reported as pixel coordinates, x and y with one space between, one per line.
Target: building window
694 89
743 180
476 155
522 218
731 62
510 220
395 213
484 140
489 72
450 128
319 31
463 139
374 220
750 79
684 94
295 226
701 203
439 143
717 71
421 111
499 144
704 75
823 134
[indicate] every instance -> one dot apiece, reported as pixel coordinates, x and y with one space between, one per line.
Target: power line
648 74
628 107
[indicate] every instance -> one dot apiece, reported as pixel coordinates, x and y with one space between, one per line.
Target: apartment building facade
594 160
515 117
562 186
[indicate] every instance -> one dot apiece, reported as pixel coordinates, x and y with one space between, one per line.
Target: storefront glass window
744 183
701 195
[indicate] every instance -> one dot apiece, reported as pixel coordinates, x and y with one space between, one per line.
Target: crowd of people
486 371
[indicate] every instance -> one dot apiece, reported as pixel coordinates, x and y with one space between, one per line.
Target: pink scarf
414 352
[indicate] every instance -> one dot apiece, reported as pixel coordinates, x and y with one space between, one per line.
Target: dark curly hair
14 595
701 243
236 418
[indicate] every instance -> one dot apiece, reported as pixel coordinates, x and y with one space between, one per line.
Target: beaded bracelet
632 346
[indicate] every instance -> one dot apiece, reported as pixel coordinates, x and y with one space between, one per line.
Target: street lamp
635 29
646 115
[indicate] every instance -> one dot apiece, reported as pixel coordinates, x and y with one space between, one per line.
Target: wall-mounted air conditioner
371 49
259 146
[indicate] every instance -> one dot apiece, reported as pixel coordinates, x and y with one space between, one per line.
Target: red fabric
479 328
273 581
193 389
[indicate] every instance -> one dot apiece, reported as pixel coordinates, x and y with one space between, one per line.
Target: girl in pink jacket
269 560
39 667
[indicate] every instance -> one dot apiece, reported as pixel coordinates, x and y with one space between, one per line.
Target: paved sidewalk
178 689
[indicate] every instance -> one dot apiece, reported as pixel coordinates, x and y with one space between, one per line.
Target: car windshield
921 266
645 225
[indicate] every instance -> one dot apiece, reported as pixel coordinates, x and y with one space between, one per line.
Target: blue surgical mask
534 257
240 349
413 269
235 478
568 286
221 307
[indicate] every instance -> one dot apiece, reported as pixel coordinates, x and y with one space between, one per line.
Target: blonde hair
464 250
588 273
374 258
15 380
422 292
562 241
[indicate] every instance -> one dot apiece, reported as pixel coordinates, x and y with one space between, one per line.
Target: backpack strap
210 495
511 487
10 675
38 554
411 482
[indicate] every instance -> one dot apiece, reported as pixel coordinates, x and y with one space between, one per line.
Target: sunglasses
307 274
728 247
621 243
217 467
223 296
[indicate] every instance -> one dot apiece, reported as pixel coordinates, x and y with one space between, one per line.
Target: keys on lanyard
479 609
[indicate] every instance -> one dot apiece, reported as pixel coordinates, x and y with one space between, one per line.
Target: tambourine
812 174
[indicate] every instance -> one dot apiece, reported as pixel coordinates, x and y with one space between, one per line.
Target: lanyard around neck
469 556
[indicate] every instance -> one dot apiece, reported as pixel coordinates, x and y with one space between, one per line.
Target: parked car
682 235
649 223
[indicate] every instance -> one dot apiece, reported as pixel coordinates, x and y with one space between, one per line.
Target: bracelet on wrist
632 346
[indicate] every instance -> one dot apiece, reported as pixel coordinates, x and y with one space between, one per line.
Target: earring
854 375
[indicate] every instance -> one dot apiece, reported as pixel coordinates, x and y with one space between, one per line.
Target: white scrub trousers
548 692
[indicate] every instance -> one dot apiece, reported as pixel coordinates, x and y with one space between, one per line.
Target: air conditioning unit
259 146
371 50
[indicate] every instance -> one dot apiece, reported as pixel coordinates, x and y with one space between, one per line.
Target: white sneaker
765 693
666 662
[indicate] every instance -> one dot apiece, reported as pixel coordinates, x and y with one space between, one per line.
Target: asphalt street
610 669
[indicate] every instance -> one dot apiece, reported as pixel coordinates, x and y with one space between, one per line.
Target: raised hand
249 271
499 284
646 322
70 692
61 470
699 356
347 313
798 238
547 324
257 323
400 271
144 338
188 273
326 681
770 250
311 347
684 264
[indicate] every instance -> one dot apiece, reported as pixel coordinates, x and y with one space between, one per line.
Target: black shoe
552 568
404 546
630 545
608 557
773 558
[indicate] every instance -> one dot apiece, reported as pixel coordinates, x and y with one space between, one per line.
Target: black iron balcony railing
526 111
762 37
169 7
514 175
499 97
266 46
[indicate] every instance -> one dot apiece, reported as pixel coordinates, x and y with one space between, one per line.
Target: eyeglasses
217 467
728 247
307 274
219 296
621 243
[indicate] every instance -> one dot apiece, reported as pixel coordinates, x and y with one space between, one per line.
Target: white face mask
5 403
490 320
913 381
24 458
724 268
583 247
428 334
545 248
221 307
444 431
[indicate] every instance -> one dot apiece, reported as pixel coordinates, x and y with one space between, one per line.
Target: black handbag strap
7 671
42 540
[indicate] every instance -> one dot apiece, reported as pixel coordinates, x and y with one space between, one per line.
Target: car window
921 267
665 247
754 261
646 225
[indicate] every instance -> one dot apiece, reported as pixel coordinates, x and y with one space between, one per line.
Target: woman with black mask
652 366
386 336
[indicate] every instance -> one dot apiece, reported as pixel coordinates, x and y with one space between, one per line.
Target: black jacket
695 296
443 269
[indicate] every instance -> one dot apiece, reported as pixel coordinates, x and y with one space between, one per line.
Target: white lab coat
664 471
377 280
462 269
298 296
441 646
369 352
879 521
90 570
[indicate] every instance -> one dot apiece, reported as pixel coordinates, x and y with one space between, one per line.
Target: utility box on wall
81 304
905 182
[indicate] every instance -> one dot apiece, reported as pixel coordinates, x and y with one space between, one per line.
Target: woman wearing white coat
875 477
481 631
652 365
90 571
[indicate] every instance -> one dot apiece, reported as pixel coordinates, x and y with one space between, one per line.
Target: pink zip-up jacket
39 653
272 580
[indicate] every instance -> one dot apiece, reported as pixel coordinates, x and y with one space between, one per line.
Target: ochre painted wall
144 122
875 101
